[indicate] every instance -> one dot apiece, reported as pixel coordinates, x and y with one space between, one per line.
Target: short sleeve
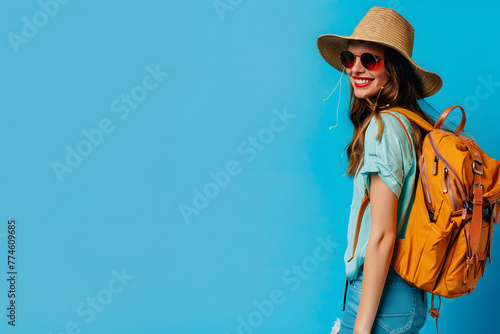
389 156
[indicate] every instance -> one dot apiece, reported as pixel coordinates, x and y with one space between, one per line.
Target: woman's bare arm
383 209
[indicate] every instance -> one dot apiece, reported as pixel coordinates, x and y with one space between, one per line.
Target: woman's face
364 82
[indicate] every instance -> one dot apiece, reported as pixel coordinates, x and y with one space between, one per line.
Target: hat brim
330 47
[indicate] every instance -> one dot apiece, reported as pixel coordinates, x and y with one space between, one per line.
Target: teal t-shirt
391 157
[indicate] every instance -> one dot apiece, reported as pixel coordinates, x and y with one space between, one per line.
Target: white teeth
361 81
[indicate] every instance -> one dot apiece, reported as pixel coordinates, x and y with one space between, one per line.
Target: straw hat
387 27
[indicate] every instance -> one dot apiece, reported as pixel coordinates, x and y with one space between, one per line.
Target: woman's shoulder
392 125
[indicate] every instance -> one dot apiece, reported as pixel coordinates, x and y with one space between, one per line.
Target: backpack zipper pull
435 165
445 176
467 208
464 210
464 214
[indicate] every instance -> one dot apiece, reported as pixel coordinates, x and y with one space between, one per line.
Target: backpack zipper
447 188
451 193
446 181
426 184
434 165
450 168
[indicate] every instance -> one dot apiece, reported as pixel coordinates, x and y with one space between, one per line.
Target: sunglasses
368 60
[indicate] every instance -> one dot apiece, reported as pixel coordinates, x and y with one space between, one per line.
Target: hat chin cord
376 100
338 103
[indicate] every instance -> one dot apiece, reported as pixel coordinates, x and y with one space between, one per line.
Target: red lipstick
364 84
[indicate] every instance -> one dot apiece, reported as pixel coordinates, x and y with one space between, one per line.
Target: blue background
229 73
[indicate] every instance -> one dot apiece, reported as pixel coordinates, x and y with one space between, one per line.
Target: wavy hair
403 89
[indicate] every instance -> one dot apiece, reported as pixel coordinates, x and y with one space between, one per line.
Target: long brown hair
403 89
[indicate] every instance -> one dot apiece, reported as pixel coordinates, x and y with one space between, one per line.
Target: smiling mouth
362 82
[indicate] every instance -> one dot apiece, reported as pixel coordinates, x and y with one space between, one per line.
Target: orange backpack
450 227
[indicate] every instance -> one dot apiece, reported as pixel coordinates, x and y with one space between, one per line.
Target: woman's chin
363 94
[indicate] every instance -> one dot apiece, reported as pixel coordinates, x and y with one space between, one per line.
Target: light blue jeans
402 309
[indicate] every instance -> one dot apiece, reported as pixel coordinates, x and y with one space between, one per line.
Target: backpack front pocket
461 275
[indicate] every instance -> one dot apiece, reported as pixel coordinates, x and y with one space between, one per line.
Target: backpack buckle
474 187
475 163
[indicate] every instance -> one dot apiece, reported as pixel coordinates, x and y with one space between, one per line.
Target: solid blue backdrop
170 168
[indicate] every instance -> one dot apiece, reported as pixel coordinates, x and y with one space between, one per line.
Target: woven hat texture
387 27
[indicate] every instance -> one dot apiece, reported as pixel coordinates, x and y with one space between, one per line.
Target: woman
377 60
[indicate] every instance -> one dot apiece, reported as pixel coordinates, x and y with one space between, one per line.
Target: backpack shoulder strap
415 118
361 212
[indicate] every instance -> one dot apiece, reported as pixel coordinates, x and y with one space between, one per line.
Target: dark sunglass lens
347 59
368 61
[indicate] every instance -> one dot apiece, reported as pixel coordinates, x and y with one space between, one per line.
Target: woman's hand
383 210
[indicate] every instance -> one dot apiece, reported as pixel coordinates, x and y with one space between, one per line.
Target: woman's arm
383 209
